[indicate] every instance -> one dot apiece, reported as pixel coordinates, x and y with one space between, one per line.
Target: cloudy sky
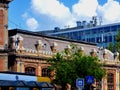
39 15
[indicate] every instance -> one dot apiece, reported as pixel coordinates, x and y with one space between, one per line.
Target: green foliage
116 46
70 67
65 73
89 66
117 37
111 47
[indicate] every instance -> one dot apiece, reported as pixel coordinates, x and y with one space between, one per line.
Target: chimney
38 45
20 42
68 49
91 23
105 56
116 56
54 47
78 23
81 50
93 52
84 24
12 42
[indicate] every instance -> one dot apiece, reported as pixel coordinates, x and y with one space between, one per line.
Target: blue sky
37 15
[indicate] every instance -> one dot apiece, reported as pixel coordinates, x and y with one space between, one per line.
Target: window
87 32
101 30
94 31
92 40
118 26
98 39
45 72
30 70
114 28
106 29
105 39
110 38
110 81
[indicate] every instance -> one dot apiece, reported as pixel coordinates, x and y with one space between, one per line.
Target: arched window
45 72
30 70
110 81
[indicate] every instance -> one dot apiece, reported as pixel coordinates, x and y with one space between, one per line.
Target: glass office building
102 35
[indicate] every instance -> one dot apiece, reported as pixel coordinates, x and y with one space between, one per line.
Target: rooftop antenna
100 20
94 18
67 26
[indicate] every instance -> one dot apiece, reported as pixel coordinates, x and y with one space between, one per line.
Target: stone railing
35 52
110 62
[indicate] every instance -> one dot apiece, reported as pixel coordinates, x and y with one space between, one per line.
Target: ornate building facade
25 51
28 52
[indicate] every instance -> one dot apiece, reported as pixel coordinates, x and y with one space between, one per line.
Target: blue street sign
80 82
89 79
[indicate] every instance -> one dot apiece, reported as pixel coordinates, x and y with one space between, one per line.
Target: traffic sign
89 79
80 82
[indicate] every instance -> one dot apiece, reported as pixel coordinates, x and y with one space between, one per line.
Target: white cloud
85 8
53 9
57 13
110 11
25 15
32 23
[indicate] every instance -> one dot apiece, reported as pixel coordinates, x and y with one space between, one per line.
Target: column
39 70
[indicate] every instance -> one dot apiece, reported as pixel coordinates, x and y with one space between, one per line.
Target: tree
73 65
65 71
117 38
116 46
111 47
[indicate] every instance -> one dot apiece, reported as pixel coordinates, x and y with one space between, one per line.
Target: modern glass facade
102 35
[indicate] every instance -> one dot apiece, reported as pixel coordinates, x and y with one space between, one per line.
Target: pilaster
4 23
